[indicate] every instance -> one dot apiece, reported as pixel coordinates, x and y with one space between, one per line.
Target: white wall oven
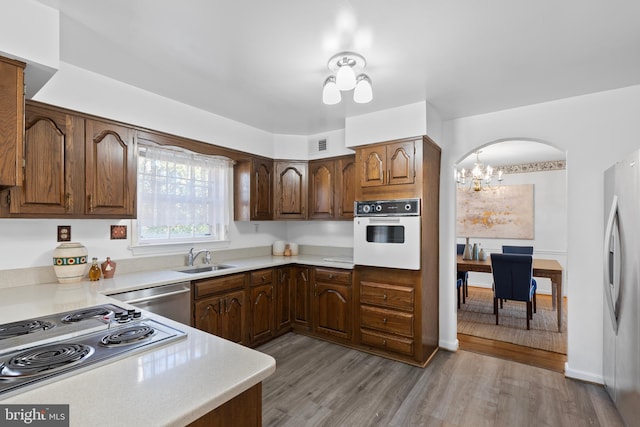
387 234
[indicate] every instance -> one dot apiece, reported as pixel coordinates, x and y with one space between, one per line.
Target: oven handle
155 297
385 220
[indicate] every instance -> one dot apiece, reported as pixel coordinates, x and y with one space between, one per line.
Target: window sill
177 248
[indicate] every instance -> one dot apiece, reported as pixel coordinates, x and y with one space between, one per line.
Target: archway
524 163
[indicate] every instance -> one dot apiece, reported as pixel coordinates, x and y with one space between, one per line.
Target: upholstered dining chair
512 280
523 250
459 288
462 275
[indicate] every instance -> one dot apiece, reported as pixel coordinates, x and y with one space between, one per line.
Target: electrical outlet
64 233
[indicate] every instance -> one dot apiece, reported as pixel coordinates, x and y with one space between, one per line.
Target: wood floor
317 383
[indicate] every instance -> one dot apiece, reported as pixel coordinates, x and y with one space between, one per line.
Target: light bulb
363 92
345 78
330 93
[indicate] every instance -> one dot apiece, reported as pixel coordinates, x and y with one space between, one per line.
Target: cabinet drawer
206 287
260 277
333 276
387 342
387 295
395 322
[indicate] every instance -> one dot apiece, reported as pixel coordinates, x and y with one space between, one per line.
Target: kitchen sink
204 268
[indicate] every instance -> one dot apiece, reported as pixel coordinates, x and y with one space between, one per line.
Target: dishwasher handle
157 296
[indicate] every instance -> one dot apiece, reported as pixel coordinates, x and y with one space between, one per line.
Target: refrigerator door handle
609 279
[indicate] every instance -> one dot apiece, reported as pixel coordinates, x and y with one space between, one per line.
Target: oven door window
385 234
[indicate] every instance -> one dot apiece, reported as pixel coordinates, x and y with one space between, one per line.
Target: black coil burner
45 359
14 329
127 336
79 315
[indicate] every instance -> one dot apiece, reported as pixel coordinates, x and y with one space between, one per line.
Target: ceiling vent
317 146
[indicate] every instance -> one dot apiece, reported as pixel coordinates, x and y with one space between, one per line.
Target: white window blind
182 196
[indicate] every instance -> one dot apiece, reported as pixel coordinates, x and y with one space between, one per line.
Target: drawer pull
384 342
264 279
384 320
384 297
330 276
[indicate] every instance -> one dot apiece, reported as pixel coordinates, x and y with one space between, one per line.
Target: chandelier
346 66
479 178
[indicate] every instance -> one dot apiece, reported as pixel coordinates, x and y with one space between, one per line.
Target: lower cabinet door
208 315
262 314
332 310
233 317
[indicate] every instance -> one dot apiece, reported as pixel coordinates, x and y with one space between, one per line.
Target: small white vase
70 262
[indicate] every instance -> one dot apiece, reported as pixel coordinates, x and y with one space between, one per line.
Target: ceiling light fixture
480 178
346 66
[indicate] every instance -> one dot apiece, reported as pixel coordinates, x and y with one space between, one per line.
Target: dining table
547 268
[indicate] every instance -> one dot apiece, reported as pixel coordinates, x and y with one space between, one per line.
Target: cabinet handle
264 279
384 297
90 203
330 276
384 320
384 343
304 277
67 201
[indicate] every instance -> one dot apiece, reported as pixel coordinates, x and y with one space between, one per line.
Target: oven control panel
404 207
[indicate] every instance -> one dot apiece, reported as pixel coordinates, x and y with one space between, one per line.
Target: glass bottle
94 271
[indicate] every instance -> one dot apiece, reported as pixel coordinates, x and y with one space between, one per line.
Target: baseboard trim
582 375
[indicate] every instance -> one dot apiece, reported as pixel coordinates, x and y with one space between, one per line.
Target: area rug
476 318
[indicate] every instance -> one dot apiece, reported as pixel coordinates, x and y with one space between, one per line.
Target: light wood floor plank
318 383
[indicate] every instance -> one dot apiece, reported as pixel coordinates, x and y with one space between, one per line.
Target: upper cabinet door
373 163
291 190
401 163
262 190
110 174
322 181
53 164
11 121
345 192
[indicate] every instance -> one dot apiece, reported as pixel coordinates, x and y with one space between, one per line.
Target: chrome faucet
191 257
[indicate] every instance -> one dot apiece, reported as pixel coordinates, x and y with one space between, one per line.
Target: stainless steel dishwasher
172 301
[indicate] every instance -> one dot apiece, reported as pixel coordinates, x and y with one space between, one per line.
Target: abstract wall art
505 212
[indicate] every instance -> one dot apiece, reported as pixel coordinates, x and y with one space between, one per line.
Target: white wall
595 130
39 41
385 125
89 92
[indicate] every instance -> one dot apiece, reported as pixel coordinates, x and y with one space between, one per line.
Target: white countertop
170 385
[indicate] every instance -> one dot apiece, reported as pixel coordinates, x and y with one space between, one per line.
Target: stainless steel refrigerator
621 346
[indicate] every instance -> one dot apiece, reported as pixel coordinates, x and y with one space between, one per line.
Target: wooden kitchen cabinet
74 167
388 170
219 307
345 189
110 170
283 300
53 164
332 188
388 312
262 309
290 189
253 189
11 121
332 312
301 297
